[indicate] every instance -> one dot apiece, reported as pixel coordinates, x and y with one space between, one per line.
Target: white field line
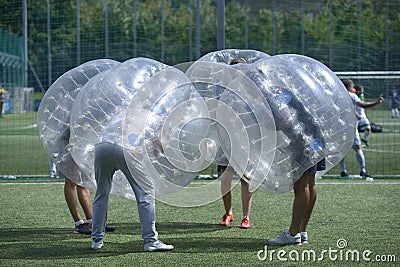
200 183
25 127
381 151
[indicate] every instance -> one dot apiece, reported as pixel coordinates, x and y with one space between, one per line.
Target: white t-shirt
359 109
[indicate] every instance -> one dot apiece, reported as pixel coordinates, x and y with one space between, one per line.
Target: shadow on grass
188 227
53 243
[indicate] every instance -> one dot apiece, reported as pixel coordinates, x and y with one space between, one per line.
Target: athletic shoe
344 174
84 228
110 228
245 223
157 246
97 243
304 237
226 219
285 239
364 174
365 141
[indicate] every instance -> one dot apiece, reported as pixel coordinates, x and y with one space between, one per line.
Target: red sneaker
245 223
226 219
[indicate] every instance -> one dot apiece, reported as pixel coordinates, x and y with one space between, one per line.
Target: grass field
36 229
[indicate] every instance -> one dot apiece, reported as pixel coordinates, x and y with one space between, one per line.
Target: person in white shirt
349 84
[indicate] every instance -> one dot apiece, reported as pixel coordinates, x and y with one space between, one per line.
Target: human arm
370 104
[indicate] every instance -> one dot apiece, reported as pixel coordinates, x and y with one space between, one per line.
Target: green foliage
135 29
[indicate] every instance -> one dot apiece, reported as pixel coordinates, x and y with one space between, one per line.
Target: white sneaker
157 246
285 239
97 244
304 237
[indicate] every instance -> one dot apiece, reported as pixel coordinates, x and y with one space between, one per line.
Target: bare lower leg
226 182
246 198
227 198
85 201
300 203
70 198
309 210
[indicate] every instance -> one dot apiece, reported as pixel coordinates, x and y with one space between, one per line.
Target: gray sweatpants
108 159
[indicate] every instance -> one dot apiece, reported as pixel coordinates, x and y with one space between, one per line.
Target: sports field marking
381 151
364 182
387 123
330 183
25 127
205 182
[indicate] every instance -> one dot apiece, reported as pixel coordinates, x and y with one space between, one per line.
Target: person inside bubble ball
109 157
71 191
305 195
349 84
226 174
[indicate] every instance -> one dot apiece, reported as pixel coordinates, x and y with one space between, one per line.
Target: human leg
365 126
85 201
303 205
361 161
300 203
360 155
246 198
104 170
70 198
226 191
145 199
80 227
343 171
367 132
53 169
246 203
313 197
144 193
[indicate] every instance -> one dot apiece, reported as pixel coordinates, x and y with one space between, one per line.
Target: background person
363 124
2 98
349 84
395 100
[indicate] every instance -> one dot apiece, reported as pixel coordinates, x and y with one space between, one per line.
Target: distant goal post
375 82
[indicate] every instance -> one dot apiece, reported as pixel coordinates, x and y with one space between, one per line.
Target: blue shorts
320 166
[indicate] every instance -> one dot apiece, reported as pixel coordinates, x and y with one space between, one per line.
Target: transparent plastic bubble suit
338 120
84 137
210 81
299 106
101 118
243 121
55 110
165 130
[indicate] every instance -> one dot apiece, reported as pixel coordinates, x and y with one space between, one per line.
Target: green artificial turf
36 229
